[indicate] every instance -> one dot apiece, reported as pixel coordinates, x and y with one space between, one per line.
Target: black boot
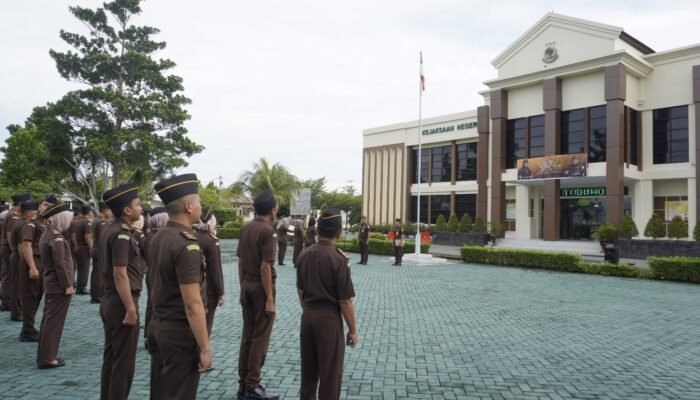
259 393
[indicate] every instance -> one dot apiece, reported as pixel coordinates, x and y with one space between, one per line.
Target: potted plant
605 234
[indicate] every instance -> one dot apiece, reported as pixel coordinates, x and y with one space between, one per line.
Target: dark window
597 143
423 209
632 130
536 136
424 164
572 132
465 203
671 135
442 164
439 205
466 161
515 141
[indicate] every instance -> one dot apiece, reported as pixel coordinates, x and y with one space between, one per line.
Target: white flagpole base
422 259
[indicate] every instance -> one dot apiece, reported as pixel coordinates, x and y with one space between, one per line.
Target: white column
523 221
643 204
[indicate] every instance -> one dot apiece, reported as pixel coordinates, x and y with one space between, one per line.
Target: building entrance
580 217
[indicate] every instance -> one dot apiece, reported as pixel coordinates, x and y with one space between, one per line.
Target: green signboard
583 192
449 128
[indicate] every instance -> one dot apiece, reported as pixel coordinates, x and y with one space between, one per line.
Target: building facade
567 86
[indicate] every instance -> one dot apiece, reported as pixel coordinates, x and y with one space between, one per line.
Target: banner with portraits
553 167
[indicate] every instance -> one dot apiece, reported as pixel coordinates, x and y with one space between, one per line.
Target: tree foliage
452 223
264 176
346 199
465 224
479 226
677 229
215 198
655 227
628 229
318 188
440 224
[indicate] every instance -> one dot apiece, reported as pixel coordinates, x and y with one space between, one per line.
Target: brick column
552 139
499 117
696 100
482 162
615 95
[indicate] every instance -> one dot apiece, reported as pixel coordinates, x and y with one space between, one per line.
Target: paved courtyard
449 332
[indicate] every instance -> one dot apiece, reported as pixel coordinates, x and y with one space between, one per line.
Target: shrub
376 235
228 233
678 228
224 216
479 226
440 225
655 227
465 224
696 231
684 269
381 247
521 258
606 233
452 224
628 229
610 269
409 228
497 229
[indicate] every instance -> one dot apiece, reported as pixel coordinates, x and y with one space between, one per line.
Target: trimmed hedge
684 269
381 247
228 233
522 258
609 269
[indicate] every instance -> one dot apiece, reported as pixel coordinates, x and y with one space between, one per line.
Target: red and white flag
422 75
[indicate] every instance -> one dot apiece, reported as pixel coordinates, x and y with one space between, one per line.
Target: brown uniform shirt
57 261
282 234
323 274
3 218
175 259
364 232
310 235
209 244
32 231
97 228
119 247
10 221
16 234
82 228
257 243
72 231
398 235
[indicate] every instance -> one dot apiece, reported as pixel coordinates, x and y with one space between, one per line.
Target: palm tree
276 177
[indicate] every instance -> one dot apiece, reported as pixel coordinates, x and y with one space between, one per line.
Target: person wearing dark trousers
157 220
298 241
82 239
122 277
11 284
58 284
398 242
4 259
363 239
209 244
281 241
30 269
310 233
103 218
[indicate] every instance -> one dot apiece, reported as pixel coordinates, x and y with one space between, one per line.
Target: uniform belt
322 305
253 278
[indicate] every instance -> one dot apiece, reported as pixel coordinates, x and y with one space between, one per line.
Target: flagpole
420 164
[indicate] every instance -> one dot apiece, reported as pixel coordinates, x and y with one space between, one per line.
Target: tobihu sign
553 167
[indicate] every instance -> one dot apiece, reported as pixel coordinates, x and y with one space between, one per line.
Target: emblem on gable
550 53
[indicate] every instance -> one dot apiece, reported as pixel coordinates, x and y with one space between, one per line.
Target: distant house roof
241 200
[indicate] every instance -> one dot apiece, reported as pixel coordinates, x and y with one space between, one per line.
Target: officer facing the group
398 242
98 226
82 238
177 337
10 285
209 244
256 274
121 282
325 291
364 239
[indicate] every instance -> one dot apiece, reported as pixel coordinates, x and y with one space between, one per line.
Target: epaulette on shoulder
125 227
214 236
31 224
189 235
342 253
56 232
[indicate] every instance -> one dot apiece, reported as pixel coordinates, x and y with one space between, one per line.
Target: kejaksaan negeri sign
450 128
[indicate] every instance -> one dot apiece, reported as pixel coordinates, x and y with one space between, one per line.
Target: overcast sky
296 82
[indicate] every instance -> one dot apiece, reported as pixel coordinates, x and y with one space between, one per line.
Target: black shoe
94 301
81 292
360 263
241 391
45 365
4 308
259 393
16 319
29 338
281 264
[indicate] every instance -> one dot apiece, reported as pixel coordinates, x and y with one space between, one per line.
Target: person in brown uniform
209 244
121 276
298 241
4 259
256 275
98 226
177 337
58 284
325 290
10 285
311 233
157 219
82 239
363 241
30 269
398 242
70 234
281 241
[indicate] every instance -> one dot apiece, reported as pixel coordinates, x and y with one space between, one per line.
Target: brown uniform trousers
257 329
5 265
398 254
119 360
95 284
298 246
55 312
282 249
321 336
31 291
174 353
212 303
13 287
82 258
364 251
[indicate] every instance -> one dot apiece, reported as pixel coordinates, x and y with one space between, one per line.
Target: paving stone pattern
449 332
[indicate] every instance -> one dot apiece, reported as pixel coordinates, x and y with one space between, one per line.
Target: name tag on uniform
193 247
122 236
